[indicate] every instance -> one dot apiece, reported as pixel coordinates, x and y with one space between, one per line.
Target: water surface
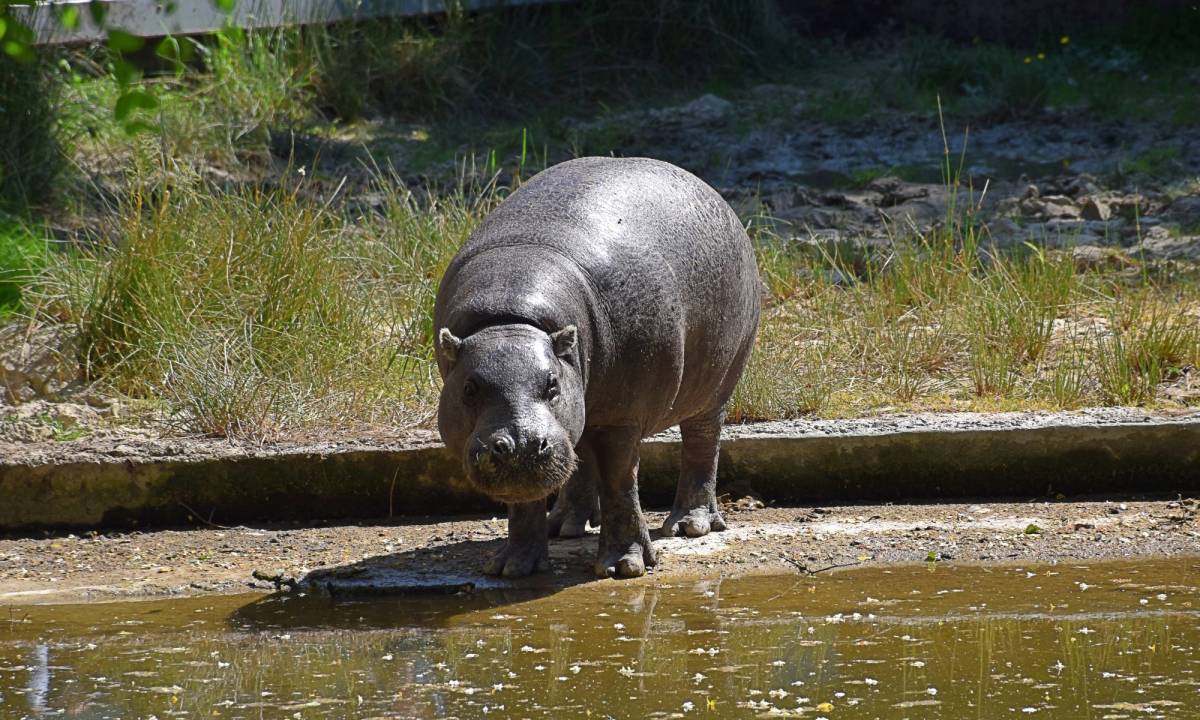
1112 640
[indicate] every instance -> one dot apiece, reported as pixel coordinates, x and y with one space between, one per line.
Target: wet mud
445 555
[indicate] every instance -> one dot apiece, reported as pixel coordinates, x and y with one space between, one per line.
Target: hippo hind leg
695 512
577 503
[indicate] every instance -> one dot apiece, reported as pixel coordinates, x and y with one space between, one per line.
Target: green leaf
69 17
125 72
139 126
167 49
3 27
1033 530
225 6
931 557
136 99
19 51
123 42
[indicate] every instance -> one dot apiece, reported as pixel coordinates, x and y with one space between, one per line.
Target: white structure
158 18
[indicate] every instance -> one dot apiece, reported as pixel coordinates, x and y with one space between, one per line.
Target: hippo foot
625 559
693 522
571 521
519 559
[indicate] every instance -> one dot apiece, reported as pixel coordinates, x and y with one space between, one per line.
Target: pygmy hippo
604 301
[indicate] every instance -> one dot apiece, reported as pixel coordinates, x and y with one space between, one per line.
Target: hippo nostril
502 446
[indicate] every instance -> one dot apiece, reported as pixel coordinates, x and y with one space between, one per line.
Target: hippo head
512 408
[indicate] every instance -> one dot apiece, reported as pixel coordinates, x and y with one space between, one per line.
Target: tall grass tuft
256 313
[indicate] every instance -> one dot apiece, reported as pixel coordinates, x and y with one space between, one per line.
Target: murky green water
1102 641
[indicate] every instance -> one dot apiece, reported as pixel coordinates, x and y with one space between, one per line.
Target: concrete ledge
120 482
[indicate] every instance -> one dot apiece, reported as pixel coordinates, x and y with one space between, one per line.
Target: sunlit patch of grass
21 256
939 321
255 313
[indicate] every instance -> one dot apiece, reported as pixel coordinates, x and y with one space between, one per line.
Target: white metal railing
158 18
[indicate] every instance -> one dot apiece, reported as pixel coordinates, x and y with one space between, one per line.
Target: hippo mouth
521 481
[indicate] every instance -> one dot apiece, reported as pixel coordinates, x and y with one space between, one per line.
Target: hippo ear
448 345
564 340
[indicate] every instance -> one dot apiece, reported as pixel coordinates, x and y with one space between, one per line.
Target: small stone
1091 257
707 110
1094 209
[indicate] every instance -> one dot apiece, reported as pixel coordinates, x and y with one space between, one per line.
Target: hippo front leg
695 512
527 551
625 548
577 503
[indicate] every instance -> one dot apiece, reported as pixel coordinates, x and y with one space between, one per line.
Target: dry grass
941 322
258 313
261 313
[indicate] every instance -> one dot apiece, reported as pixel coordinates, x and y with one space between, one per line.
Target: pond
1102 640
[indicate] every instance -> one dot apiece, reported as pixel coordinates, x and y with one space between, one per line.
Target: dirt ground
445 554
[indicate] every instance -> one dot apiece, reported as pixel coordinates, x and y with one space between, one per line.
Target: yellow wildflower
1064 40
1028 59
1041 56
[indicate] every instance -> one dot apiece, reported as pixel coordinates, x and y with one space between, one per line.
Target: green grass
258 312
1140 69
261 302
21 256
941 322
472 83
31 160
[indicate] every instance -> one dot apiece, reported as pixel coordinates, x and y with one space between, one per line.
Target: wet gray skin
1104 640
604 301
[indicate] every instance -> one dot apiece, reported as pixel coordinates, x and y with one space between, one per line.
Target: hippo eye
552 387
470 389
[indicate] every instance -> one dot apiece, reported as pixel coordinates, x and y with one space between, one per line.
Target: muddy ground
444 554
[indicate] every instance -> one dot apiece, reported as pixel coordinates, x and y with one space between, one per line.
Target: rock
34 362
1185 211
1092 257
1095 209
776 92
1051 207
706 110
1159 244
1031 192
1079 185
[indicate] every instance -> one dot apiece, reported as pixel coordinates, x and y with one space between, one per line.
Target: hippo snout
500 447
519 467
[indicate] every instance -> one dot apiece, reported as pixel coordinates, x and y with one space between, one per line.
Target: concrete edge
122 483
